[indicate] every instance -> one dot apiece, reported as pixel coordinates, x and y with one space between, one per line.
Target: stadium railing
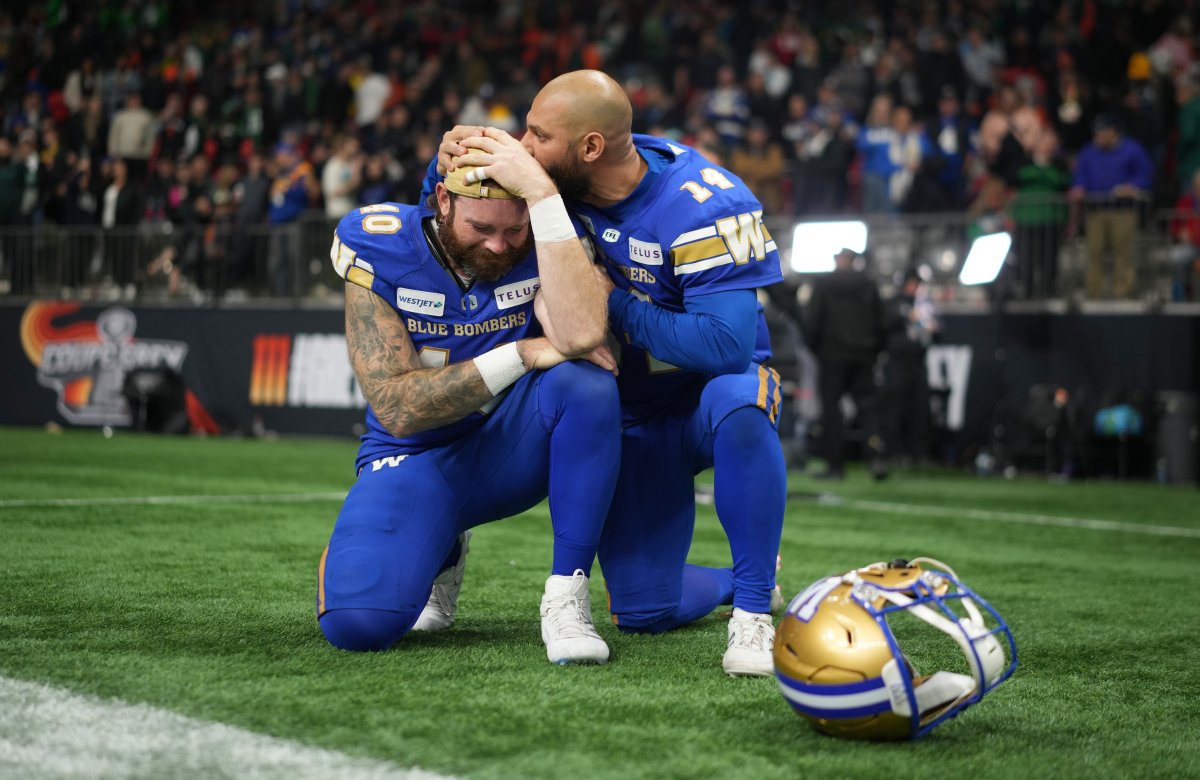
229 264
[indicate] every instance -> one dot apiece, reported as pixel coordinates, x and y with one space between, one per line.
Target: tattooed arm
407 397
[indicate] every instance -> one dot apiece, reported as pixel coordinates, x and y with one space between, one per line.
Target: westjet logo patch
517 293
421 302
645 252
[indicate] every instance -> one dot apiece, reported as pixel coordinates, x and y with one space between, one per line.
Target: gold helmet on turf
457 182
840 666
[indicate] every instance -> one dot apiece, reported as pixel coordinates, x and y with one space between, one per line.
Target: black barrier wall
287 370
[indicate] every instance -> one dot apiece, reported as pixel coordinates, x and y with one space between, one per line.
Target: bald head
580 130
588 101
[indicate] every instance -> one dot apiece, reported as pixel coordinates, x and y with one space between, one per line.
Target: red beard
479 262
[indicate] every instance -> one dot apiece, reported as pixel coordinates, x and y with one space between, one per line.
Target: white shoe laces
568 614
752 632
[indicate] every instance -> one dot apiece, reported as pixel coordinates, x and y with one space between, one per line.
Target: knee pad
365 629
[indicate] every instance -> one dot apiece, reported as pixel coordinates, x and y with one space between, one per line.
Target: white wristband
550 220
500 367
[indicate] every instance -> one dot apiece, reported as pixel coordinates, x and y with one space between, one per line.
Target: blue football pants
728 424
556 434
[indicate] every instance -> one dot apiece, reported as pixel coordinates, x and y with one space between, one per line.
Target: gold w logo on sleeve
729 240
745 236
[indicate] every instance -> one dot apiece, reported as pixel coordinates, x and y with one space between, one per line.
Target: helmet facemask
839 660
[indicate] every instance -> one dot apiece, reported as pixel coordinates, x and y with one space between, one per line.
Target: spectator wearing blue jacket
294 185
951 141
1112 177
728 107
293 189
910 147
875 145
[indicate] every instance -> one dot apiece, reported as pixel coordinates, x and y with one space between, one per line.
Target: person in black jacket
845 332
120 212
911 324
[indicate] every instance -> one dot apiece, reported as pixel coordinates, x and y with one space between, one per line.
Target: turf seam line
1090 524
825 499
264 498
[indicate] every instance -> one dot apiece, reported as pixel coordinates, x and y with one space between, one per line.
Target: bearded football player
463 325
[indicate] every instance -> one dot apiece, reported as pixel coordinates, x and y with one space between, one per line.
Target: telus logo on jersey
421 302
645 252
517 293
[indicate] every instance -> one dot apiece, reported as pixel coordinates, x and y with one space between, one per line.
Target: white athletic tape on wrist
500 367
550 220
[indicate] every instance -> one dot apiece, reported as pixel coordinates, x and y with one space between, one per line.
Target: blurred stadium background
169 177
174 169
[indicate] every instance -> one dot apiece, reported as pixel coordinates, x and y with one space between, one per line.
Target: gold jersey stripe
359 276
770 396
699 250
608 603
763 380
776 396
321 583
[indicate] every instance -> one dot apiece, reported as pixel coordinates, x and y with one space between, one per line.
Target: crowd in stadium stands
206 113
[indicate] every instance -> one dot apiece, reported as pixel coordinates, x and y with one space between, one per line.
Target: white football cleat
567 626
751 645
442 606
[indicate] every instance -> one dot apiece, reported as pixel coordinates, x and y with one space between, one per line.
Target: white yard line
986 515
827 499
264 498
51 733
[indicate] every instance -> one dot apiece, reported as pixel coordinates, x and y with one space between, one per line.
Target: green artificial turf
208 610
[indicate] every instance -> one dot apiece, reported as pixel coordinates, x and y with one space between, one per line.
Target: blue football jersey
385 249
690 228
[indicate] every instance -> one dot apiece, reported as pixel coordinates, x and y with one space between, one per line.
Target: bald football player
462 338
684 250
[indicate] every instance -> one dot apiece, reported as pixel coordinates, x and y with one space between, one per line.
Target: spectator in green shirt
1188 96
1040 212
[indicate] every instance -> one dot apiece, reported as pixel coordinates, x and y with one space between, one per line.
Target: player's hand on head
451 146
503 159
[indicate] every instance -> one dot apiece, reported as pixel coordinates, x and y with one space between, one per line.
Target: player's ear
443 200
591 147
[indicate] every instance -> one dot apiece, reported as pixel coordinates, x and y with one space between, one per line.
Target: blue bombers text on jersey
690 228
389 249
